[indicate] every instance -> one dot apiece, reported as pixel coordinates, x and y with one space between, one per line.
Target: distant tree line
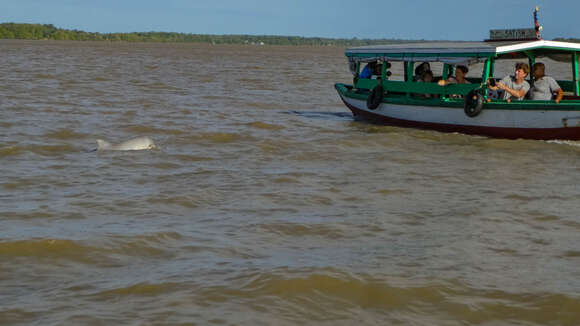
572 40
50 32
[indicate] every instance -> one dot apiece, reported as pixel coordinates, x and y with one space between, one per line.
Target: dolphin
135 144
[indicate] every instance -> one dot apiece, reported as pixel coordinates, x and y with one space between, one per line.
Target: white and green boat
464 108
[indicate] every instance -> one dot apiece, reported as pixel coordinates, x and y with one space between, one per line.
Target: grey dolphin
135 144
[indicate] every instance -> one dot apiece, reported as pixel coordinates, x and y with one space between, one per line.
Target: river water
265 203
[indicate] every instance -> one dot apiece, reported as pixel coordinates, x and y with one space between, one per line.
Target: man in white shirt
544 86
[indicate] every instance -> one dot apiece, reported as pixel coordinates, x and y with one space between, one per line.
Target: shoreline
19 31
160 44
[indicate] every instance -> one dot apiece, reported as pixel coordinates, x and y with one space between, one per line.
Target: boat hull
497 123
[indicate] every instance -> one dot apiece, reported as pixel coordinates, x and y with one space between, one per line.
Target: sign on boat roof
461 52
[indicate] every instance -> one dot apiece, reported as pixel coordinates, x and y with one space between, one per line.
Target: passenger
459 78
544 86
378 69
420 70
513 86
368 70
427 77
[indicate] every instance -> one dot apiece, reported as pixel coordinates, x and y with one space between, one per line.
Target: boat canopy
463 52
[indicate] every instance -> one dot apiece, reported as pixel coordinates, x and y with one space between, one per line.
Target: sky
468 20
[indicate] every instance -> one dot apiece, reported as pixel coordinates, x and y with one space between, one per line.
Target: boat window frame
574 62
575 73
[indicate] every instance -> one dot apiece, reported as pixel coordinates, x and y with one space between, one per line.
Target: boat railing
433 88
417 88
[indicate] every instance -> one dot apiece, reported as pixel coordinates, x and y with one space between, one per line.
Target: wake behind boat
468 107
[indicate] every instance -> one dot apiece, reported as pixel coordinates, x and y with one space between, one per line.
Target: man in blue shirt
368 70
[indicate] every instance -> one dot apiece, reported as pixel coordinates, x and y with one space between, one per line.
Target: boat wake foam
565 142
325 115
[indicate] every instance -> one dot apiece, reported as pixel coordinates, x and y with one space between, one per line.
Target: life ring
375 97
473 104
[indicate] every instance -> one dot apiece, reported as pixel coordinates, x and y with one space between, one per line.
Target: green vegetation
572 40
49 32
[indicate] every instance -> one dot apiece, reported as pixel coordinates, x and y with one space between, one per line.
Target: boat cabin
481 58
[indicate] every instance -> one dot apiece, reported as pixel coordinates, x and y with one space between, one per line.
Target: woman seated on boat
420 70
544 86
459 77
513 86
427 77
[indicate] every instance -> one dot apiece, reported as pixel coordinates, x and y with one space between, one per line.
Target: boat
464 108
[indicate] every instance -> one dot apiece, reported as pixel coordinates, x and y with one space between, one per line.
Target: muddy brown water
266 203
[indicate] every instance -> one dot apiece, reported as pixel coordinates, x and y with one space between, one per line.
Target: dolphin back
139 143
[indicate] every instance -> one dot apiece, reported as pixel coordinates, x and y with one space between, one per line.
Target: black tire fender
473 104
375 97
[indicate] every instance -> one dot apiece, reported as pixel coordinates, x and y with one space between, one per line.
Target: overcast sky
404 19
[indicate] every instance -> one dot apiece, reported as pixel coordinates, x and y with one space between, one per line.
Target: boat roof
462 52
